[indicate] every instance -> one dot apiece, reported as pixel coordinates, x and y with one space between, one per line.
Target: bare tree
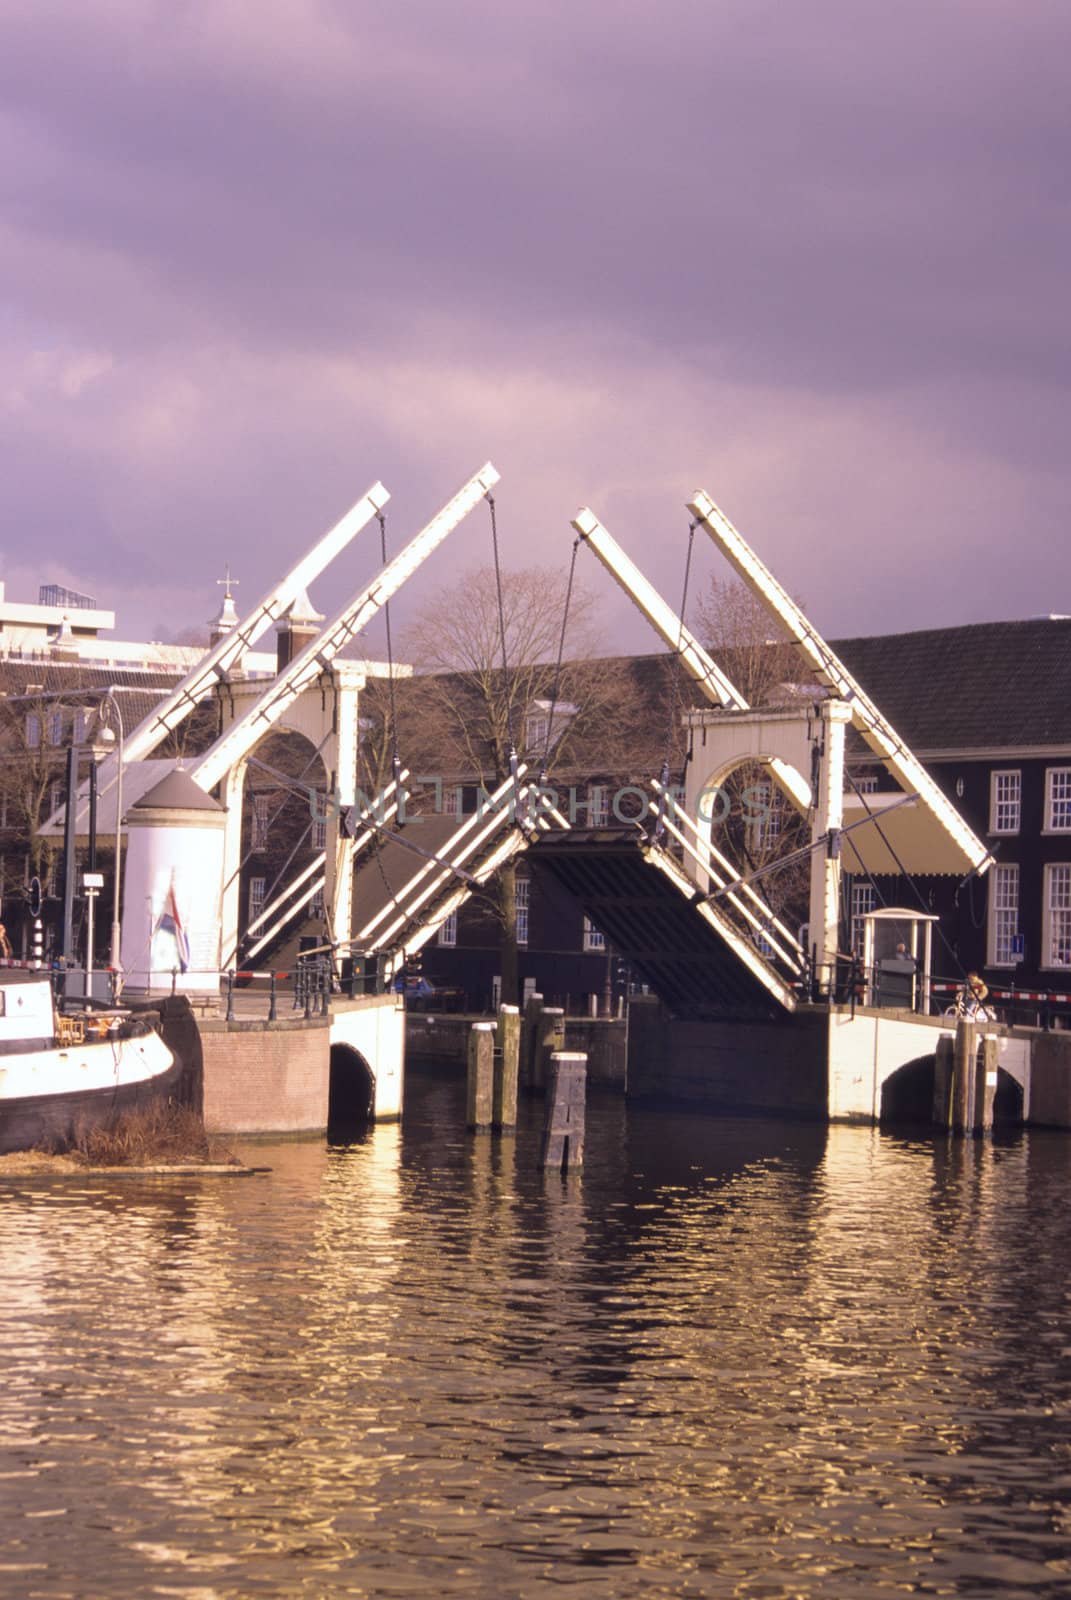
466 711
747 641
34 730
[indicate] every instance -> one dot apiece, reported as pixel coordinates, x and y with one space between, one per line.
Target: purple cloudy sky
809 254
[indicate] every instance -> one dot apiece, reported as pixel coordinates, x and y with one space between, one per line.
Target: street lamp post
109 709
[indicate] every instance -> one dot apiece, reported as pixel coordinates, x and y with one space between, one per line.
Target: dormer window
538 729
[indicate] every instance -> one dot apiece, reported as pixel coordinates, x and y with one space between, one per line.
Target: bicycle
967 1007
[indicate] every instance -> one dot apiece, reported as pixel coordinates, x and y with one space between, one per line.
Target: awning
912 831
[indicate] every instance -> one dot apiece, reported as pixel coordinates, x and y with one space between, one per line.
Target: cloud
257 255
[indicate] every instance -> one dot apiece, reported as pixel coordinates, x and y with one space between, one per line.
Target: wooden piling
963 1072
942 1083
507 1058
550 1036
529 1028
564 1116
985 1085
480 1076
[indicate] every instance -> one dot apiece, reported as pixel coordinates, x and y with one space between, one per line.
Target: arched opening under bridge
907 1095
351 1095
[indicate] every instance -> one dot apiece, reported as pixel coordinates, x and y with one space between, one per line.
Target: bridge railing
706 865
1012 1003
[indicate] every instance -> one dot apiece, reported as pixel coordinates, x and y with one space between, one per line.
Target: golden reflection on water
751 1359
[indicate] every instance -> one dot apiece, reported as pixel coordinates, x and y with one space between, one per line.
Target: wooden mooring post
507 1058
564 1116
480 1076
965 1081
550 1037
529 1029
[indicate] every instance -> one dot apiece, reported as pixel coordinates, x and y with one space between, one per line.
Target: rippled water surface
734 1358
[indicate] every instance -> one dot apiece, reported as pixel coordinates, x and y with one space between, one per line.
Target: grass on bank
159 1134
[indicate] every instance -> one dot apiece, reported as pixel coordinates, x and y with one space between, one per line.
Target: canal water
735 1358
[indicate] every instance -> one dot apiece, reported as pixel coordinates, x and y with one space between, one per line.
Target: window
764 814
316 904
319 821
78 732
1058 915
864 900
57 800
864 783
55 727
261 809
535 730
1004 915
258 888
448 931
594 939
1058 800
452 801
1005 802
33 730
521 902
600 805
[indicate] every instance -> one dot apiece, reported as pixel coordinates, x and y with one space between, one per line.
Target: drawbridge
699 929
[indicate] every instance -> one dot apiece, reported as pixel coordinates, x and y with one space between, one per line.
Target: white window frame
522 899
258 894
1005 800
765 802
1056 916
599 805
56 724
319 821
452 800
594 938
1058 799
33 730
261 811
1003 913
448 931
864 900
536 729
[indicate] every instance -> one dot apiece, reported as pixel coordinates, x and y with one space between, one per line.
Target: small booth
897 954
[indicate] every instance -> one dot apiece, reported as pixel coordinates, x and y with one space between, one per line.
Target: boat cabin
26 1011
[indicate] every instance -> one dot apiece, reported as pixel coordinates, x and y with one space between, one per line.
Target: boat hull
48 1097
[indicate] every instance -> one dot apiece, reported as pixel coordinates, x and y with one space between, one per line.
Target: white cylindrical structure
173 889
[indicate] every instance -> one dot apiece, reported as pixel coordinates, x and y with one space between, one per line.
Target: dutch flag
170 922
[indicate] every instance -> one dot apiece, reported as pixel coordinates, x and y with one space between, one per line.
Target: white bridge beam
306 667
875 729
665 621
697 662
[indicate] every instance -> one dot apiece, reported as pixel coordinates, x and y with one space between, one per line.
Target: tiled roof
629 705
53 677
986 685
